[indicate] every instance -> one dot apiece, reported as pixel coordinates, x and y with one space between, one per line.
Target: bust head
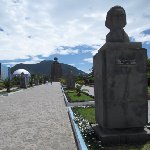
116 18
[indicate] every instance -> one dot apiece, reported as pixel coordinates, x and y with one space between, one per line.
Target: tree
148 71
148 66
79 89
45 79
31 79
7 84
63 81
41 79
16 80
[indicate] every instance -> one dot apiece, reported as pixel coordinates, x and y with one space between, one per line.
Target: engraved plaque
125 62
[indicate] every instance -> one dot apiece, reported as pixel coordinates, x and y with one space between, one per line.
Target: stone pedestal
23 82
121 93
70 80
121 85
71 83
36 82
122 136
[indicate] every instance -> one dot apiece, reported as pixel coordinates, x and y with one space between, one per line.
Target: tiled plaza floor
35 119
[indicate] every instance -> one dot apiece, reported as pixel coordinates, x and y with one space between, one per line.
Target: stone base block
122 136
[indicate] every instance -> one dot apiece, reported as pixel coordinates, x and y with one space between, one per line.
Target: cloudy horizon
73 31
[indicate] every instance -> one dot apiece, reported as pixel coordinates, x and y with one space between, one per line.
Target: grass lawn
88 113
72 96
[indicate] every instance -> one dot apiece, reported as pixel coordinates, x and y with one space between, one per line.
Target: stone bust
116 21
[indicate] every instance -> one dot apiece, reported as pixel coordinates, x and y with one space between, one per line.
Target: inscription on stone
125 62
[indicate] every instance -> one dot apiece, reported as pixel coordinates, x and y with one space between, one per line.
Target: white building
26 73
4 72
19 71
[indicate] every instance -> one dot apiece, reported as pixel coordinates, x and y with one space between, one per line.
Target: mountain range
44 68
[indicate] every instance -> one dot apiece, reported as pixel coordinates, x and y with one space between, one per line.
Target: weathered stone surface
116 21
121 85
56 70
70 80
23 81
123 136
120 88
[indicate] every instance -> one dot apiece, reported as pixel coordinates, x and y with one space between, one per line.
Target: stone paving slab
91 89
35 119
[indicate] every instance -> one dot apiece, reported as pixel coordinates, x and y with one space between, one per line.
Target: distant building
26 75
4 72
19 71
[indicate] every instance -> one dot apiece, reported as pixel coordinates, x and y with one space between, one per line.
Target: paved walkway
35 119
91 89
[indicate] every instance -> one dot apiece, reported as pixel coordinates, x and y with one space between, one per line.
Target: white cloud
86 51
94 52
33 60
63 51
86 71
90 60
40 27
72 64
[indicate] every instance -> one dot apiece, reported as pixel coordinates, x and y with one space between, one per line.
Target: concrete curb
76 104
62 89
80 141
65 99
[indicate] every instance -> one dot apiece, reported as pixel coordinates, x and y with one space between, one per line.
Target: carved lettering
125 62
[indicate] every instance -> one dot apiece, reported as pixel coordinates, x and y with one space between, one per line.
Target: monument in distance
23 81
70 80
120 85
56 70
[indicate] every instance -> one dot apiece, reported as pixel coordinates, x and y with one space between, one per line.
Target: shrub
79 89
7 84
62 81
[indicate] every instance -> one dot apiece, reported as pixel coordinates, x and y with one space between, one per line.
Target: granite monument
120 85
23 81
56 70
70 80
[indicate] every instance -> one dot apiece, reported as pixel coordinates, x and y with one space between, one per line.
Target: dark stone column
56 70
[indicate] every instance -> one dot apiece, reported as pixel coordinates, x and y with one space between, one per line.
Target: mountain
44 68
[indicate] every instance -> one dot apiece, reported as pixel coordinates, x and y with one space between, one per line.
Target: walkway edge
7 94
69 104
65 98
20 90
80 141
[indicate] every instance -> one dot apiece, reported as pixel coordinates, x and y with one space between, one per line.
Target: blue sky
72 30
